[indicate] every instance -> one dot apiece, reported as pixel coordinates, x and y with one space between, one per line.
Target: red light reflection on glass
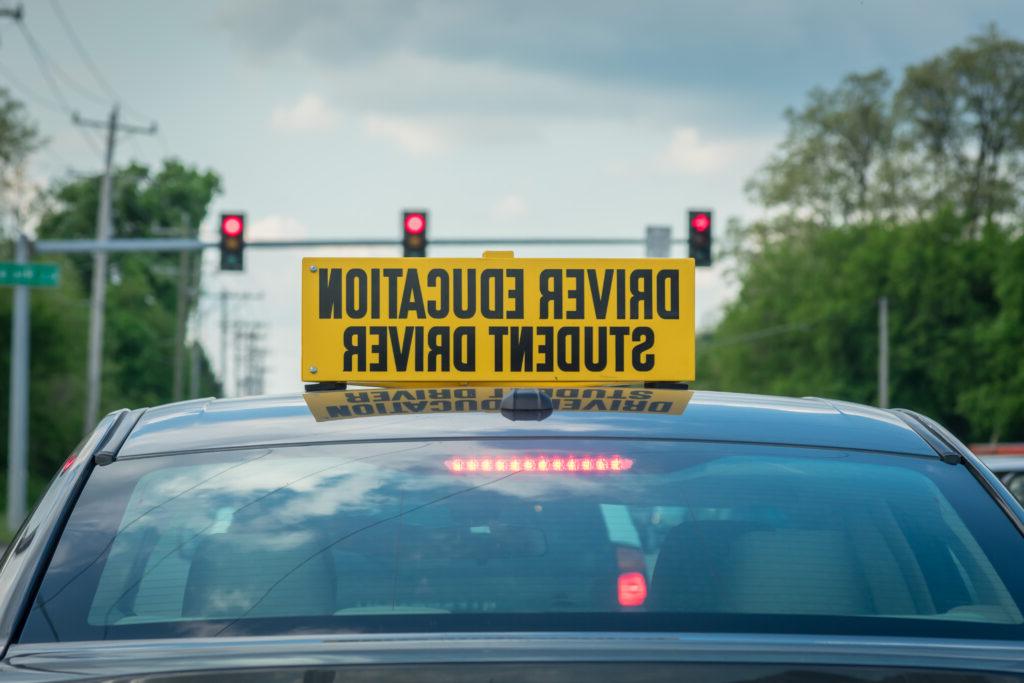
540 464
68 463
632 589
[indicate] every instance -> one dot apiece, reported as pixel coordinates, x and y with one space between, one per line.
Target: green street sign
30 274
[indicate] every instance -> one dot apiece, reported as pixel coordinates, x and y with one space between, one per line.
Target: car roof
215 424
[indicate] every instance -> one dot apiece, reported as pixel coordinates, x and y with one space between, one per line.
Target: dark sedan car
427 534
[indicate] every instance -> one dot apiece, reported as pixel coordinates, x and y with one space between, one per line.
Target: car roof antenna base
526 404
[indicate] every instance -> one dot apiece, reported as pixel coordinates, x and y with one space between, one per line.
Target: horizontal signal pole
119 245
541 241
158 244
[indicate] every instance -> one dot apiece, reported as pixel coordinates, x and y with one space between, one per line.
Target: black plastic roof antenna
526 404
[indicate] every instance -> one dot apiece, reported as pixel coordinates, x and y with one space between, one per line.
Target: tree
804 322
951 135
142 293
140 330
966 107
913 196
57 321
834 149
19 137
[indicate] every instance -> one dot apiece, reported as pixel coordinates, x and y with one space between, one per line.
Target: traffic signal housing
232 241
414 233
700 236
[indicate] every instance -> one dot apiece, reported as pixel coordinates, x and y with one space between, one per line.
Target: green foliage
141 305
966 109
57 374
142 296
805 322
19 136
911 195
951 135
836 148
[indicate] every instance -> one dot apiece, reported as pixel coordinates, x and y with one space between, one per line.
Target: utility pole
249 357
197 328
17 430
883 352
240 366
17 411
184 275
224 294
225 299
98 297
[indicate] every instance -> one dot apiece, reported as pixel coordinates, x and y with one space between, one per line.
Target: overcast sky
527 118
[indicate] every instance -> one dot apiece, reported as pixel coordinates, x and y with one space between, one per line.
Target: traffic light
700 237
232 240
414 233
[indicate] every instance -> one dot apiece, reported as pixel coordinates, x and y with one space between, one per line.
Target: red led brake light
632 589
540 464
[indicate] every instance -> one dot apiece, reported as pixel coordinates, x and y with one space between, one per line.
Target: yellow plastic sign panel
497 319
327 406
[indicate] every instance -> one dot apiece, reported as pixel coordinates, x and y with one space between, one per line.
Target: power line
98 76
82 52
64 75
28 92
44 68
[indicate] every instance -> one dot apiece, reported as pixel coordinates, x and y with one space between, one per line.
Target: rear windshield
506 535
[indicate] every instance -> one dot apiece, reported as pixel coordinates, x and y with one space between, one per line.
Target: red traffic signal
415 223
232 241
700 237
414 233
232 225
700 221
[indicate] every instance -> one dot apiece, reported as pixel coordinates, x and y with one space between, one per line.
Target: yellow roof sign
497 319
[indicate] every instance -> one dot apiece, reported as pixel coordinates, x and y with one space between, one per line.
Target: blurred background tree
142 296
911 194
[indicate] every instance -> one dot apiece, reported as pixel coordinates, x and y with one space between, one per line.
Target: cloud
688 152
416 137
737 52
277 228
310 113
509 207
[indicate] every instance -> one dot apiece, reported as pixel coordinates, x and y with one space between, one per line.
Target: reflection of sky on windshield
318 530
283 492
300 482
